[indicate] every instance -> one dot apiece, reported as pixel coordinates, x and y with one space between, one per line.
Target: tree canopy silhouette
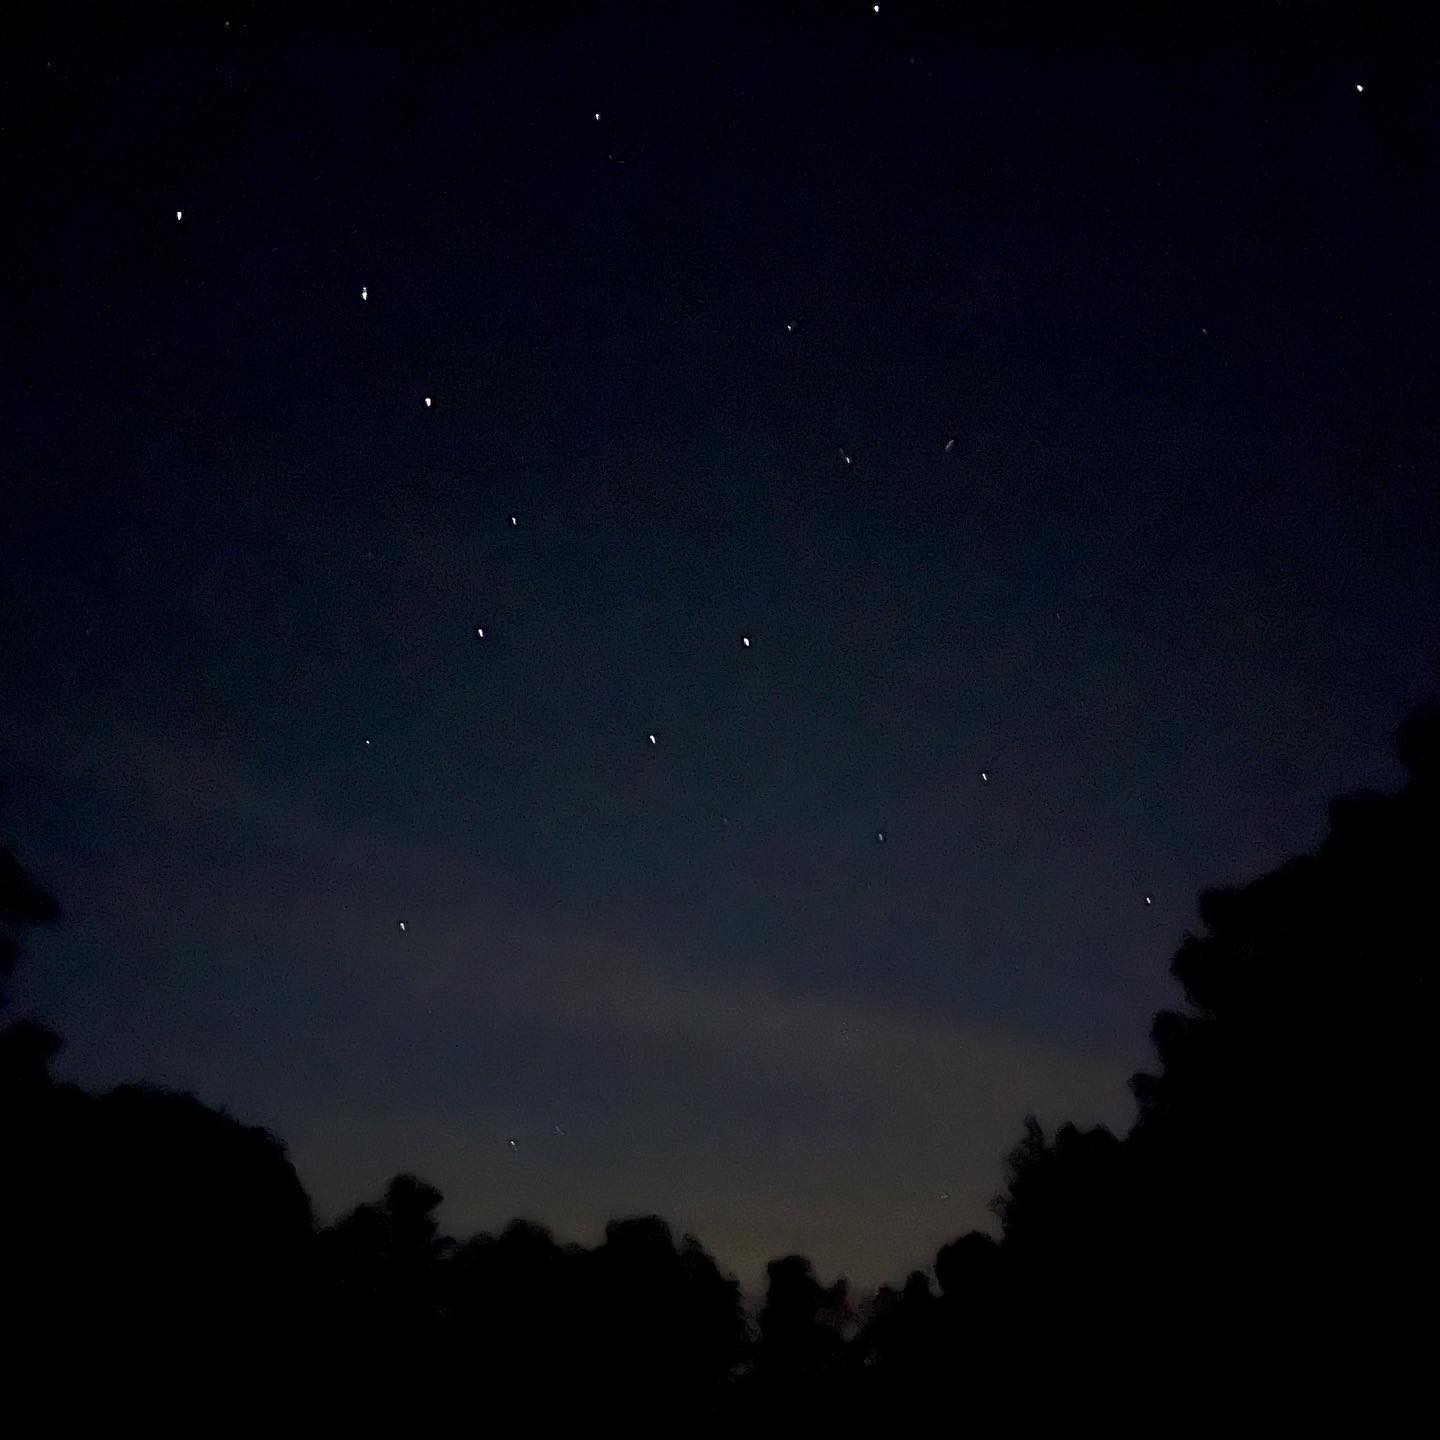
1257 1231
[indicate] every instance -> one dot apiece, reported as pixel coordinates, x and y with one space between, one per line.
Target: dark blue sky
1170 588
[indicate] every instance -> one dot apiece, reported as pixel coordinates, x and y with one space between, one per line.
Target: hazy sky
1170 587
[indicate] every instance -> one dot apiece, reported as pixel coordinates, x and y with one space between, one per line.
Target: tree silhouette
511 1308
1206 1264
139 1225
1210 1239
23 901
26 1049
800 1360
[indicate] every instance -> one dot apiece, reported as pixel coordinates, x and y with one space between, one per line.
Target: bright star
480 631
745 641
179 216
427 402
652 739
364 292
402 927
985 776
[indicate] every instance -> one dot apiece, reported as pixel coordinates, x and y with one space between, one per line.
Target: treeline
1257 1245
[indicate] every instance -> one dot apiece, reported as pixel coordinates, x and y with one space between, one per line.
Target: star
790 329
985 777
480 631
513 520
179 216
876 9
364 292
597 114
1148 900
427 402
367 744
512 1145
880 836
1359 89
745 641
652 739
949 446
402 927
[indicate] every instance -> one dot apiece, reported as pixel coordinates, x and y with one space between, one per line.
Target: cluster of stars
745 640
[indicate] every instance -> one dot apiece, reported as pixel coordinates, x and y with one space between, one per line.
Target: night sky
1056 421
